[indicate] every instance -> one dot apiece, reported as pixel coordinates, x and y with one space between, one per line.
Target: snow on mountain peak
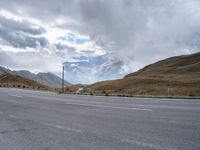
88 70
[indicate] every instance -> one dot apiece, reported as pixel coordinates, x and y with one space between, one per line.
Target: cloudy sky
39 35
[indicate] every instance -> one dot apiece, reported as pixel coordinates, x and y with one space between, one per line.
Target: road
33 120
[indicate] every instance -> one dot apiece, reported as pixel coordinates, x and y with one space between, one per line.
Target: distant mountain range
48 79
181 73
88 70
15 81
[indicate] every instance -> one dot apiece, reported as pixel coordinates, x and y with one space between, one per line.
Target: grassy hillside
182 73
48 79
71 89
11 80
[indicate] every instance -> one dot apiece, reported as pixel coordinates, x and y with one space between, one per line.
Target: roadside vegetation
176 76
181 74
14 81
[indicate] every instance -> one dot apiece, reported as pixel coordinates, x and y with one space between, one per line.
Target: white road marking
142 97
76 102
61 98
147 145
165 99
104 106
11 116
62 127
13 101
55 126
15 95
75 130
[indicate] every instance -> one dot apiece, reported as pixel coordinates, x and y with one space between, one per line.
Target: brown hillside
181 72
180 65
11 80
71 89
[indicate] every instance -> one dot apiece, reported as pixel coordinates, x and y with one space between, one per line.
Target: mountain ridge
182 73
48 78
183 62
87 70
15 81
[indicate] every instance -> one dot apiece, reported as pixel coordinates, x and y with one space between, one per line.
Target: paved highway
33 120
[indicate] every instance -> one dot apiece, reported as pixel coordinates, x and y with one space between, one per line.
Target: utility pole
7 80
170 91
63 80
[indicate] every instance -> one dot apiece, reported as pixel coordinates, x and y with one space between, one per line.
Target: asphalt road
32 120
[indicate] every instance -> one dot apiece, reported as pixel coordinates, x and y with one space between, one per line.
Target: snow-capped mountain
92 69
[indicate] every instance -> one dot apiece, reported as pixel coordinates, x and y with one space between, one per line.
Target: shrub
191 94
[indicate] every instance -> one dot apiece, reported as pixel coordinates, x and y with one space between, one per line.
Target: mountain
91 69
174 67
12 80
45 78
182 73
48 79
3 70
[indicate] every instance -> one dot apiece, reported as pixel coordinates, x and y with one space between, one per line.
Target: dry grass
71 89
148 86
182 73
10 80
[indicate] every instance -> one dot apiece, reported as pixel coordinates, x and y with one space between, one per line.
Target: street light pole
63 69
7 80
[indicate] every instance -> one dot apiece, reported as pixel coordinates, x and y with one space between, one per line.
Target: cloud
138 32
20 33
142 31
37 61
70 37
20 40
11 23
